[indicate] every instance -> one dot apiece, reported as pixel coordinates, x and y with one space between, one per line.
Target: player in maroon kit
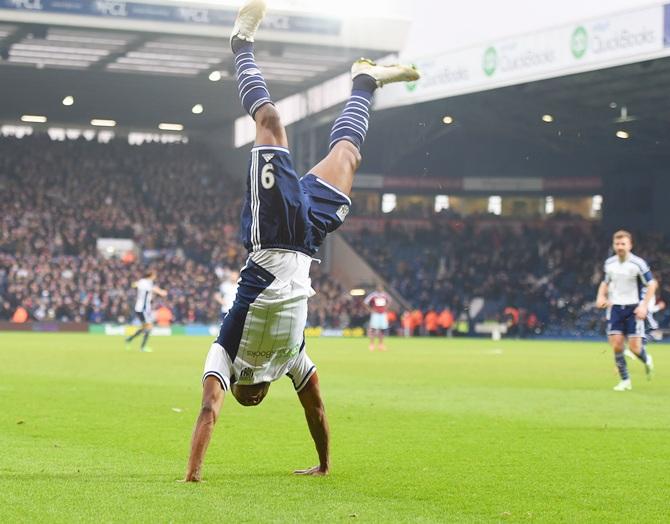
377 302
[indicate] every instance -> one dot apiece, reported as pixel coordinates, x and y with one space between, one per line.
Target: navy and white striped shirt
627 279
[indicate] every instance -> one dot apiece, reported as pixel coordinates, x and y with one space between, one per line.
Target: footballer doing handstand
284 221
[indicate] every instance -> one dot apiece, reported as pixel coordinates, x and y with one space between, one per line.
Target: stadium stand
531 277
179 206
174 201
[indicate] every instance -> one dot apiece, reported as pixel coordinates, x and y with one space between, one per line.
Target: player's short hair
622 233
149 273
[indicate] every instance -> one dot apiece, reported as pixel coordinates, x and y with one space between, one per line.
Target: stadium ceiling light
37 119
622 134
99 122
547 118
215 76
357 292
448 120
170 127
68 100
197 109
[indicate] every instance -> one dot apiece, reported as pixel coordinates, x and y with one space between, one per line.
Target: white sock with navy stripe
252 88
352 124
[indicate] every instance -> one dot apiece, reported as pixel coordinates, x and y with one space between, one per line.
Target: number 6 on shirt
268 176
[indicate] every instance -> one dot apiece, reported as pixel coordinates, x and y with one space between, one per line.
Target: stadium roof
143 77
502 132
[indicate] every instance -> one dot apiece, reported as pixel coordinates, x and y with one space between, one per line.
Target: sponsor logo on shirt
247 374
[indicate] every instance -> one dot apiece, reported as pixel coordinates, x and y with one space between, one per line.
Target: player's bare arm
315 413
602 301
212 400
159 291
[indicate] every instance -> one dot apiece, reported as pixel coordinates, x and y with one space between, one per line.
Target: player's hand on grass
316 471
190 477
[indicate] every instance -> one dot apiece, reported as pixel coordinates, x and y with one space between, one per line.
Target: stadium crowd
538 277
57 199
182 210
175 201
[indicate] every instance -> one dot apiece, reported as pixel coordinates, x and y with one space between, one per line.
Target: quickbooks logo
490 61
579 42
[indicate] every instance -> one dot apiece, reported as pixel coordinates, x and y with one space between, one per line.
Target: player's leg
253 90
638 348
380 337
617 343
147 331
383 327
315 413
371 335
349 130
212 400
137 333
629 354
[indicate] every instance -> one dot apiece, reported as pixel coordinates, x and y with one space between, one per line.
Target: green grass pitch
431 431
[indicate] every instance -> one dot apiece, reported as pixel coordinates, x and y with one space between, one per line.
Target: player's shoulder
610 260
639 261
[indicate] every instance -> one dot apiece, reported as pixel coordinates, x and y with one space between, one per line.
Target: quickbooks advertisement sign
619 36
580 42
517 58
454 71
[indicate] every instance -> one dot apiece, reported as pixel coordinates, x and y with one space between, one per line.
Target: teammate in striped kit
284 221
227 291
626 292
145 291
